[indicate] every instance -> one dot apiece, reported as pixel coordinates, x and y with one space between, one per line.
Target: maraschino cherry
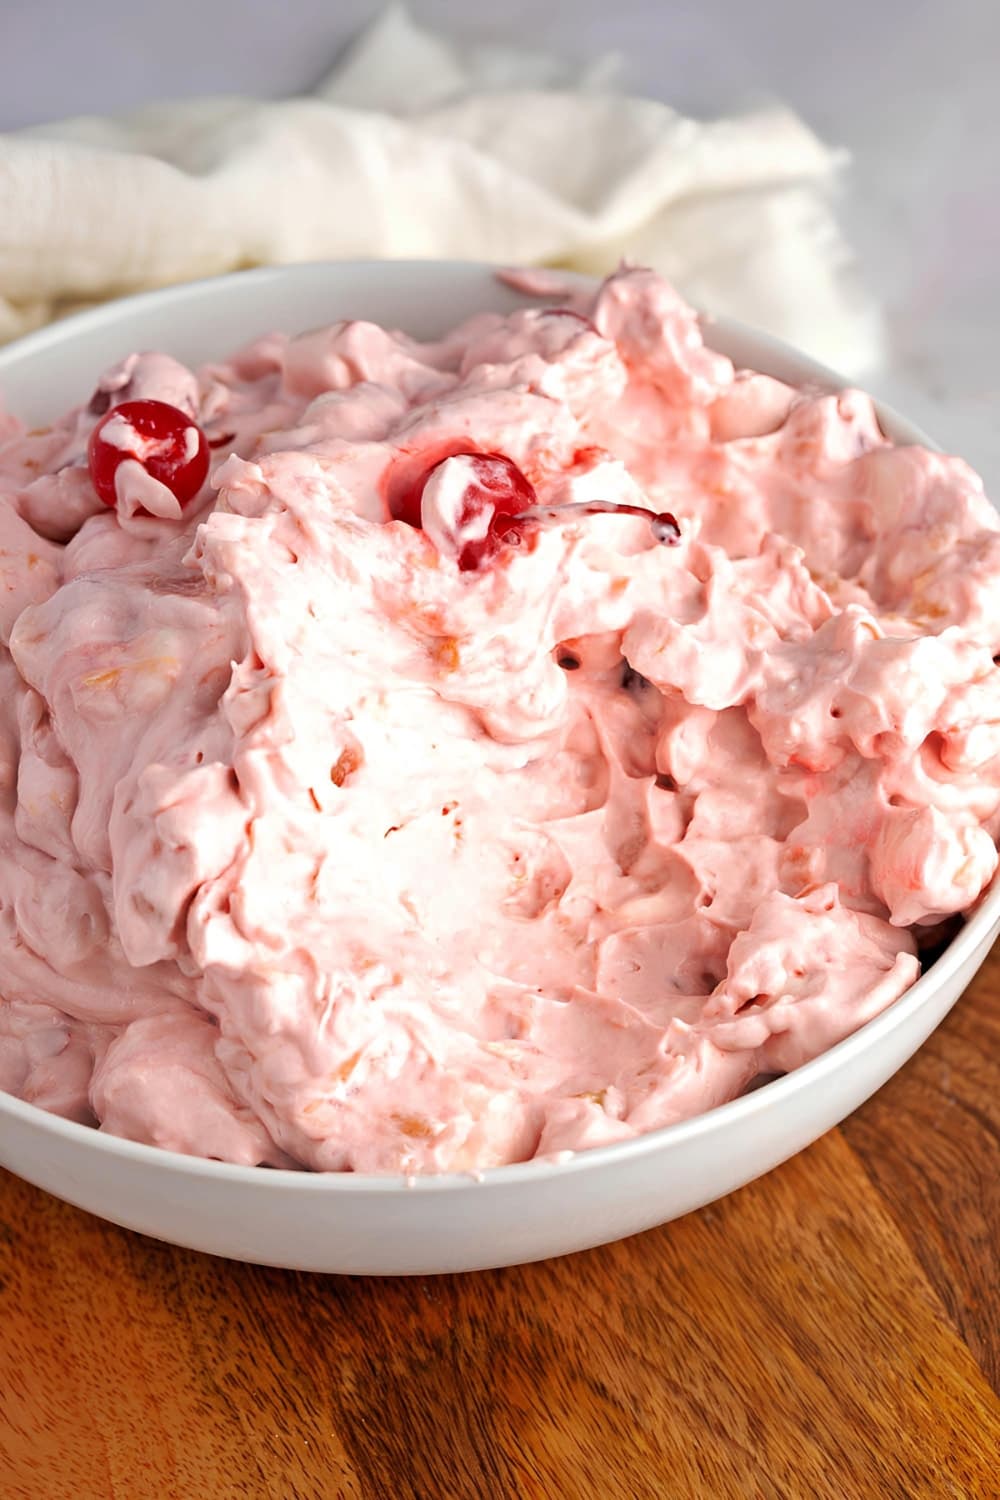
494 507
170 447
470 504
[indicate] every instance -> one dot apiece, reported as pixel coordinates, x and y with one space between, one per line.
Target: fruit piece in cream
399 802
149 455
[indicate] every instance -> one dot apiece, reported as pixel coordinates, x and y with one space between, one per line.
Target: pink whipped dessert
504 746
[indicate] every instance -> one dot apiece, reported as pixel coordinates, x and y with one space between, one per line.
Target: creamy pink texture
317 850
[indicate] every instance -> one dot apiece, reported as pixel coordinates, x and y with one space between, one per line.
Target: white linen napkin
415 147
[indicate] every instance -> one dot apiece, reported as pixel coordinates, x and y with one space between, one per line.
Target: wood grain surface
833 1330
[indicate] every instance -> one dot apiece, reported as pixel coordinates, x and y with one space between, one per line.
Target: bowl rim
720 1119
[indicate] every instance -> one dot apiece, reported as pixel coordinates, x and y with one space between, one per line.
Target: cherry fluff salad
420 757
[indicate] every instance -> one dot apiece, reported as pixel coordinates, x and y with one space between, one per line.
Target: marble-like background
911 87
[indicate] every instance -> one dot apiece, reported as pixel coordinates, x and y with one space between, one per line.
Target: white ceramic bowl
512 1214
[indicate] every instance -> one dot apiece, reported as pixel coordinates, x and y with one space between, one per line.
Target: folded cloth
415 147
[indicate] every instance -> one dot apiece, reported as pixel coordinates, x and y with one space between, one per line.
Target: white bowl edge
465 1235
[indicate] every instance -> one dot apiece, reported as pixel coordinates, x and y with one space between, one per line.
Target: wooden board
830 1331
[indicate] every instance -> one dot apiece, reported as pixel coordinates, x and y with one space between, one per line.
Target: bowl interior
49 371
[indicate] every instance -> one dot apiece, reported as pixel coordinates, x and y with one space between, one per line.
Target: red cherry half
170 447
410 472
498 486
495 486
497 493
